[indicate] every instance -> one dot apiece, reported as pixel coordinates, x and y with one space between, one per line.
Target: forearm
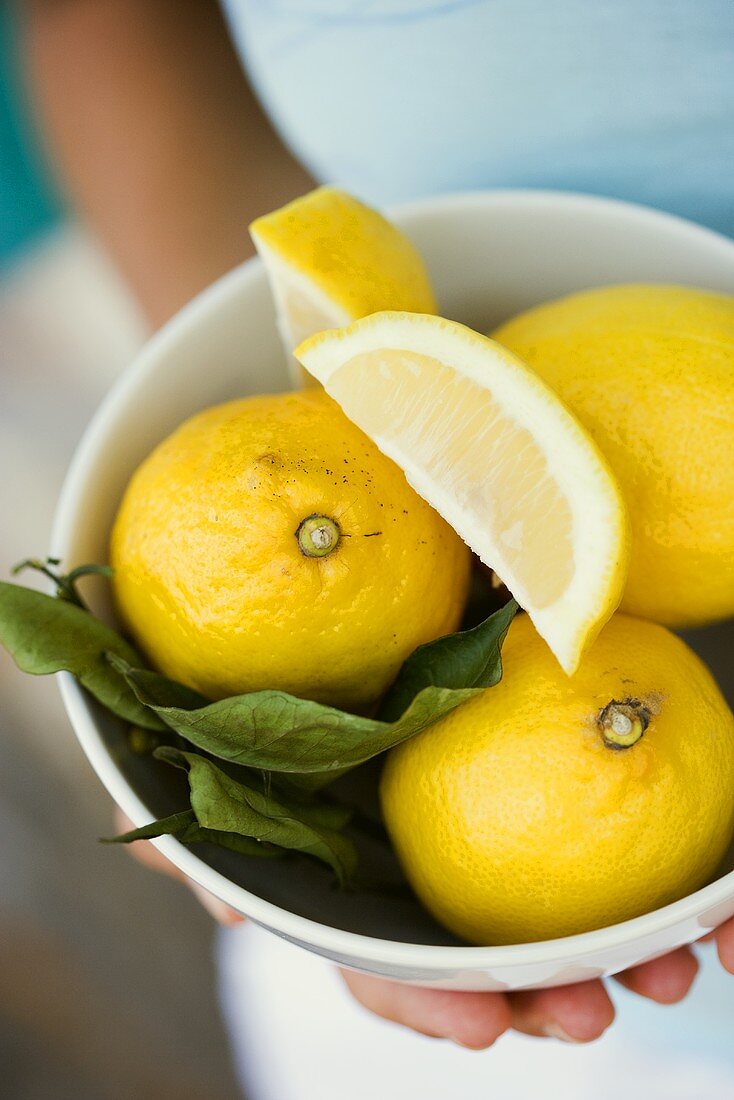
156 137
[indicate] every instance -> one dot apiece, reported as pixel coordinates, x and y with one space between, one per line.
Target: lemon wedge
331 260
497 454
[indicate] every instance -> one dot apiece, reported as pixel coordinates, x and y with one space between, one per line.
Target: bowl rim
326 938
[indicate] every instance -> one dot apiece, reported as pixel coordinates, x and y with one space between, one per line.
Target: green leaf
315 809
468 659
229 805
175 825
327 815
186 828
280 733
169 694
45 635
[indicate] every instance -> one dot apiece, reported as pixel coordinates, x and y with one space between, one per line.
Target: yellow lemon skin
649 371
349 252
514 820
213 585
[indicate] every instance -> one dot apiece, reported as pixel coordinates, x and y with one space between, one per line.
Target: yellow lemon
268 543
649 371
550 805
330 260
496 453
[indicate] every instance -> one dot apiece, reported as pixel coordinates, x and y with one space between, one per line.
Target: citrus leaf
311 807
327 815
168 693
467 659
281 733
230 805
44 635
175 825
186 828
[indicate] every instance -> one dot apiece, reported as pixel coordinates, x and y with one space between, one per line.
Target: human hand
576 1013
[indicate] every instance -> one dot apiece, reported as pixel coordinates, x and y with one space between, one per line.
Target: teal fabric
28 204
400 98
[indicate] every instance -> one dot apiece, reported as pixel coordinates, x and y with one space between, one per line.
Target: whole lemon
550 805
649 371
267 543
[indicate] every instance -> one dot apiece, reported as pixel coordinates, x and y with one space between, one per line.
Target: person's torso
400 98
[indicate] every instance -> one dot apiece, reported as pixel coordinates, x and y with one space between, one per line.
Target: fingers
725 945
575 1013
147 854
666 980
474 1020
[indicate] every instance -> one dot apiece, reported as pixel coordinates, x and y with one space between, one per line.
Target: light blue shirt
400 98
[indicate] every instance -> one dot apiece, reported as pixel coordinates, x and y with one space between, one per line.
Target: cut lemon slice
331 260
497 454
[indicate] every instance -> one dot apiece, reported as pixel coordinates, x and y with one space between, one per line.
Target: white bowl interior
490 256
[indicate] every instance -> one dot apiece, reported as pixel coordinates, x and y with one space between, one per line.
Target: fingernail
458 1042
554 1031
467 1046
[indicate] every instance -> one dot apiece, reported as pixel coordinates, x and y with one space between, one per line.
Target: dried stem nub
622 724
318 536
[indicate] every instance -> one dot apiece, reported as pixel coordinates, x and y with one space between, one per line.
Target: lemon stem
622 724
318 536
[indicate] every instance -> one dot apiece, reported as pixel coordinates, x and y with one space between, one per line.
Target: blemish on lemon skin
653 700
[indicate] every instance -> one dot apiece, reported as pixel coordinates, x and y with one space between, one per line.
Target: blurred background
107 984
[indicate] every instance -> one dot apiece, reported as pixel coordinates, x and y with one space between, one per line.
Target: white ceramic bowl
490 255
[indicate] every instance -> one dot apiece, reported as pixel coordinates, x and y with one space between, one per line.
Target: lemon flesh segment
331 260
497 454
